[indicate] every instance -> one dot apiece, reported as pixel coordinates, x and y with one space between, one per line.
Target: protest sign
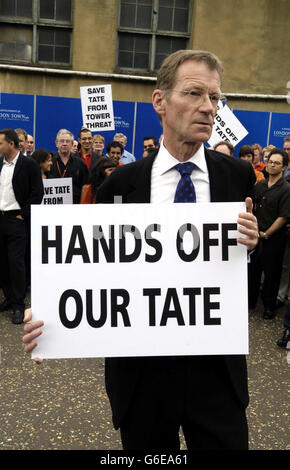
139 280
227 127
97 108
57 191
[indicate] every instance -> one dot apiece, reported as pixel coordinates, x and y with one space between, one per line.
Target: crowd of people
89 161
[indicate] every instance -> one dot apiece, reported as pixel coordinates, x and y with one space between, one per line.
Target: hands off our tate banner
159 280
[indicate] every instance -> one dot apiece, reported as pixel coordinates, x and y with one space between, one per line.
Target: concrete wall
250 36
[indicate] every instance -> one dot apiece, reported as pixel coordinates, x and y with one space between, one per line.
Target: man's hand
34 330
248 226
19 217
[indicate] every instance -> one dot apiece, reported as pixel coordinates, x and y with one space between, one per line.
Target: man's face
148 144
121 141
6 148
64 143
248 157
22 143
29 144
75 146
286 147
86 140
115 154
257 156
275 165
185 120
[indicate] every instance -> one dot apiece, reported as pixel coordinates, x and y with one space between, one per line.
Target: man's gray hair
64 131
167 74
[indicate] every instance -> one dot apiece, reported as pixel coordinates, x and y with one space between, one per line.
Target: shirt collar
13 162
89 155
165 161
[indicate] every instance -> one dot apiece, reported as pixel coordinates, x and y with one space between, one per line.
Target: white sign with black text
97 108
139 280
57 191
227 127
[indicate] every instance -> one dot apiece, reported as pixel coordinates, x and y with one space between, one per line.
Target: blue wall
45 115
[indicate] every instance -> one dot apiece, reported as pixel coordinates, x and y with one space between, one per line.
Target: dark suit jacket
231 180
95 158
27 184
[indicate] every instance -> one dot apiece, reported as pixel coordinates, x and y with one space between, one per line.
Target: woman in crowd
98 144
99 173
44 159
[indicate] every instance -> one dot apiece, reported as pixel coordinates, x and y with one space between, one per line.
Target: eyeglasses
270 162
198 97
64 141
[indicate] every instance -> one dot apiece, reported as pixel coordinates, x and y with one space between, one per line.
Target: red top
86 158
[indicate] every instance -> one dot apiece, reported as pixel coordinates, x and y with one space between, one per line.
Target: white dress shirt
7 197
165 178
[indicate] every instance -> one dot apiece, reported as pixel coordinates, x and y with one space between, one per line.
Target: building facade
52 47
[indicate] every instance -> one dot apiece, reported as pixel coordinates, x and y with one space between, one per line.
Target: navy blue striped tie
185 191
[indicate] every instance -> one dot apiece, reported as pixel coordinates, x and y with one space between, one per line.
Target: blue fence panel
16 111
280 128
256 123
54 113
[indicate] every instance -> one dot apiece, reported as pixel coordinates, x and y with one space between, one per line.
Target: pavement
62 404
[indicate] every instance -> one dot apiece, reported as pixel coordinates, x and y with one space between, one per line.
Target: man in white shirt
20 186
151 397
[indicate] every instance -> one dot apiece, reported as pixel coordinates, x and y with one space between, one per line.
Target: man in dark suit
20 186
151 397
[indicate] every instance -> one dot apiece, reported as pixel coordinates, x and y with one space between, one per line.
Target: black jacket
75 169
231 180
27 184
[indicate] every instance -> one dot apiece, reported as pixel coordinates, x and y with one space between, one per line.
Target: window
150 30
36 31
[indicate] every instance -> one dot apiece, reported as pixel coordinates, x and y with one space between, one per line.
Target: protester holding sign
151 397
65 164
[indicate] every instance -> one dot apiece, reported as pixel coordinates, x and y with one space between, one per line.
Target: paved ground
63 404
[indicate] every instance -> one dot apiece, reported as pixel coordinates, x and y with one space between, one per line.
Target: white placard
104 290
57 191
97 108
227 127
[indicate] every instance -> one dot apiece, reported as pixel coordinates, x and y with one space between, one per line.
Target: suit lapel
217 180
18 165
140 183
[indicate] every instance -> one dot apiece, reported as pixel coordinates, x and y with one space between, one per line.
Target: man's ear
158 102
